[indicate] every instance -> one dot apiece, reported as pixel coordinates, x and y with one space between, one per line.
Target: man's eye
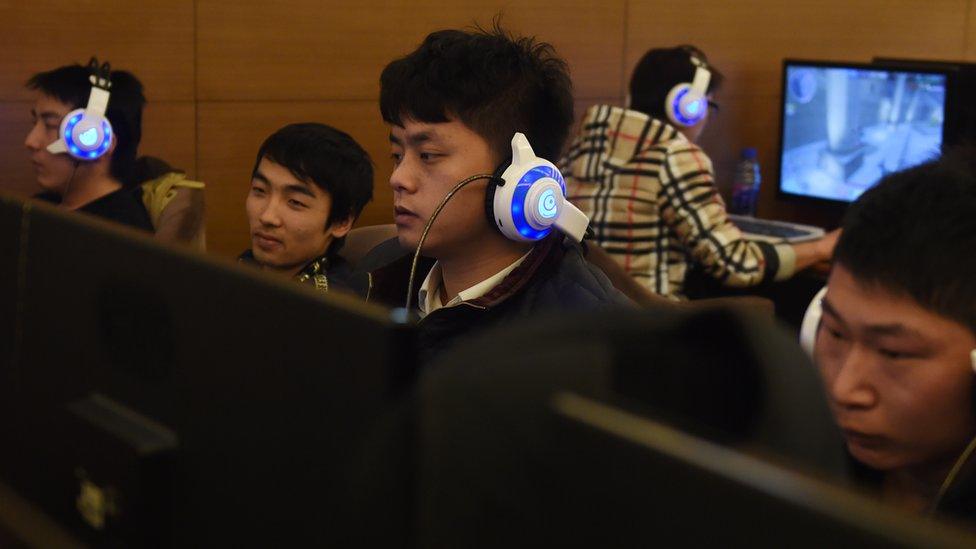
835 334
296 203
397 157
891 355
257 190
427 157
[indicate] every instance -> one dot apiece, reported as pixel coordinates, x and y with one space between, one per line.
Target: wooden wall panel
230 135
748 39
169 132
152 38
312 50
969 47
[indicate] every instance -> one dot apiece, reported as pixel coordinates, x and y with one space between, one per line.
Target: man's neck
478 263
85 188
292 271
915 489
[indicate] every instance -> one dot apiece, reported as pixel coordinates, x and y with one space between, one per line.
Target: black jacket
122 206
554 277
327 273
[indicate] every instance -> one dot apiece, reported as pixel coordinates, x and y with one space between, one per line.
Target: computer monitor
961 122
844 126
704 428
164 398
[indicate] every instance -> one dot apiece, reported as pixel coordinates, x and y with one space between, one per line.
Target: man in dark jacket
453 106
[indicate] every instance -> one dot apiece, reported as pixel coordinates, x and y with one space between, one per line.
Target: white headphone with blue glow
86 134
528 199
687 104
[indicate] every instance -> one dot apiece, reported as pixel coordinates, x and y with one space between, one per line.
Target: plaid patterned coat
653 205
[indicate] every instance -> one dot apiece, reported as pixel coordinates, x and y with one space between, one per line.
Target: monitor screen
846 126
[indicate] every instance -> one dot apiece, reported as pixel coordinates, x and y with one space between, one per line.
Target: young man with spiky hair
309 184
896 345
453 106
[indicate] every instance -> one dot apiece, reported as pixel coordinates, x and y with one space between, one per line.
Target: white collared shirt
429 295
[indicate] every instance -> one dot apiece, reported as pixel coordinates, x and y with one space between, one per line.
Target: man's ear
340 227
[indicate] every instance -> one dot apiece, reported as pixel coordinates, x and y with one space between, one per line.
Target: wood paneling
748 39
312 50
169 132
230 135
151 38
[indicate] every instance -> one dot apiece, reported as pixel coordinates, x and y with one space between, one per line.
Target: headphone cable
430 222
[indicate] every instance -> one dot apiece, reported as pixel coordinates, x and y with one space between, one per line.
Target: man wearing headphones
87 127
505 246
896 344
649 189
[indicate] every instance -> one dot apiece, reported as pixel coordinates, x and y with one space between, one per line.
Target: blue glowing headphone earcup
84 136
684 106
530 199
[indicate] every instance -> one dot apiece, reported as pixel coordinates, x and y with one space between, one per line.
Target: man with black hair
453 106
309 184
102 187
649 189
896 345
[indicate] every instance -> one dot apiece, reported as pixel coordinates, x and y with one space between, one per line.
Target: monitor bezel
781 194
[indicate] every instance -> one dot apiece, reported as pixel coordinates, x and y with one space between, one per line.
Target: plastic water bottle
745 184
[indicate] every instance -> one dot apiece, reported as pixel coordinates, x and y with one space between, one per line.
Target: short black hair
70 85
662 69
330 159
493 82
914 234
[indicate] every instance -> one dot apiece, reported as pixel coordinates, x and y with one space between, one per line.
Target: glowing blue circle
88 137
679 114
547 204
518 200
69 139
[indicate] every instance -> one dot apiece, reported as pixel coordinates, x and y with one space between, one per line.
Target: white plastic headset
530 198
687 103
86 134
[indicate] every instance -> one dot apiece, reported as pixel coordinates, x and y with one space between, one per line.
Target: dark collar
390 282
314 272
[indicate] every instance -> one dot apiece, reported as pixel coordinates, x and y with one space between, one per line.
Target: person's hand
826 245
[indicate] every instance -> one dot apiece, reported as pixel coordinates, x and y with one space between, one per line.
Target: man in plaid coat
650 194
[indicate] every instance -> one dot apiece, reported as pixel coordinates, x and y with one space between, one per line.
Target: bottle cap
749 153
